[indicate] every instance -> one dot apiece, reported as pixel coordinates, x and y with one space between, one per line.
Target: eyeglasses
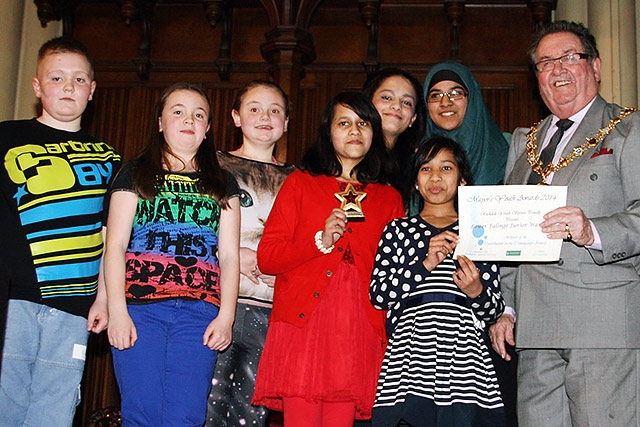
572 58
454 95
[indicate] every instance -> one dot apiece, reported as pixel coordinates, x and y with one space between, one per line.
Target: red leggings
300 413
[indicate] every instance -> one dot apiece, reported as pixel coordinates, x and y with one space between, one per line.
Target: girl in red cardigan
325 343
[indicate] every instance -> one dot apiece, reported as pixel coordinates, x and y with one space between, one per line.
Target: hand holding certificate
502 222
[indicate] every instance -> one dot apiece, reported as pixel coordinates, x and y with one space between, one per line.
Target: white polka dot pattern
436 348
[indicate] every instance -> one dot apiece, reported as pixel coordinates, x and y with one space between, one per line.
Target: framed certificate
502 222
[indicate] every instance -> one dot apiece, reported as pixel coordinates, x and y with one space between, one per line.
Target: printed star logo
21 192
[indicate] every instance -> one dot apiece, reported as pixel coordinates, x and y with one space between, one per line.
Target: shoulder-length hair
321 158
430 149
408 140
148 172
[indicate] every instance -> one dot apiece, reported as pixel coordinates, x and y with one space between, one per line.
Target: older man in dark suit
578 319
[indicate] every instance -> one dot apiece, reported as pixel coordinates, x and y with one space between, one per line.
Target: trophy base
356 217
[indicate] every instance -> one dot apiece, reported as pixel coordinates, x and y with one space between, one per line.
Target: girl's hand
334 227
218 334
249 264
122 332
256 274
249 267
268 280
440 246
467 277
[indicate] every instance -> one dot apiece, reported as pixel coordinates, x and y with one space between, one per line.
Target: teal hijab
486 146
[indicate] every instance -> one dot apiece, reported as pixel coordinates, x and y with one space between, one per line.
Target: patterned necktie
550 150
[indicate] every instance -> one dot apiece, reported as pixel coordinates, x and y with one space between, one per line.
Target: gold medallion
544 170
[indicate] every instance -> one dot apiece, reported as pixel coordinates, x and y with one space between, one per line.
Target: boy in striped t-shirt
52 184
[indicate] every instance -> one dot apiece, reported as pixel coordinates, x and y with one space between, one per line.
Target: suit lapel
522 168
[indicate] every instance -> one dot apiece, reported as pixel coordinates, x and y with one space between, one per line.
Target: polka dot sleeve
398 263
489 305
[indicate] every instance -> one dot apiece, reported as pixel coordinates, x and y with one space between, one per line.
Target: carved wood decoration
312 48
454 10
223 62
46 11
143 11
56 10
214 11
129 11
369 11
541 11
221 11
289 47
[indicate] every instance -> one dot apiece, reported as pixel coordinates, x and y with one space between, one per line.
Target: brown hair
148 171
237 103
64 45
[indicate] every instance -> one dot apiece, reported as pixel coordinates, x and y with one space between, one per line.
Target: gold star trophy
351 203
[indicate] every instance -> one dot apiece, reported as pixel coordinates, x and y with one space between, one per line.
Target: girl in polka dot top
437 370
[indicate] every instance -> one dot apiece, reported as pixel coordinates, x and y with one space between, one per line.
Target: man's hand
570 223
501 333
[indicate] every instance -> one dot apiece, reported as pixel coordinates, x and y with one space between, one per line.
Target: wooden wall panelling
122 117
399 25
493 36
182 35
106 115
339 37
413 34
249 28
500 102
505 93
306 111
124 128
110 42
225 135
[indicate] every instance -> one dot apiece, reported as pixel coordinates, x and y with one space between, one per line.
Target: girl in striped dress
437 371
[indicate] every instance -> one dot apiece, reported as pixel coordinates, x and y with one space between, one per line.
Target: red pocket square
602 151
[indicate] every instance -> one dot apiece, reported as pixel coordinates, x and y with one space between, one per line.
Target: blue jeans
164 379
42 365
